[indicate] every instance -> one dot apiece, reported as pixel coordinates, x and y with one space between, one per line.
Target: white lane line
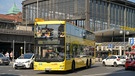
102 74
23 75
10 74
13 70
2 73
117 68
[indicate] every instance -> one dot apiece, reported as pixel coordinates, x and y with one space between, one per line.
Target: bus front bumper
49 66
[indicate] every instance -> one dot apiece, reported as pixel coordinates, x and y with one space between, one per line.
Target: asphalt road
95 70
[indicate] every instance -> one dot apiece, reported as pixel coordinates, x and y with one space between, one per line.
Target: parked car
114 60
130 64
24 61
4 60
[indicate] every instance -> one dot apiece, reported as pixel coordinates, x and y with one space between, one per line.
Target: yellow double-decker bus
62 46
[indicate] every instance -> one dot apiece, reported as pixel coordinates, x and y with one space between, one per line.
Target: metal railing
16 32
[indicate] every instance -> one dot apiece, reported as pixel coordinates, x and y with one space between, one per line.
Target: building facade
113 21
14 34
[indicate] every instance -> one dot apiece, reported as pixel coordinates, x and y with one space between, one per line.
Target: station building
112 21
12 29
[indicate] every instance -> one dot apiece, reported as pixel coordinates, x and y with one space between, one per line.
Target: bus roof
51 22
42 21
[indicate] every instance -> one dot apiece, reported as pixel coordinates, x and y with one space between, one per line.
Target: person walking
103 56
11 55
7 55
98 58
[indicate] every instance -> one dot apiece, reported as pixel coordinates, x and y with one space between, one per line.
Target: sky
5 5
132 0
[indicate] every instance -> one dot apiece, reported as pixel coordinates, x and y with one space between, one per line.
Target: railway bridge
18 40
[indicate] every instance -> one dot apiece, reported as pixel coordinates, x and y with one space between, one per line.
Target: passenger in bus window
39 33
47 34
61 53
49 53
62 35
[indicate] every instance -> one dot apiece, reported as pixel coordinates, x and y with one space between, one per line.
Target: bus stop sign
131 41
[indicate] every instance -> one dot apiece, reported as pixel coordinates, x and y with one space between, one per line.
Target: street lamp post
37 8
26 18
24 47
21 49
13 50
124 32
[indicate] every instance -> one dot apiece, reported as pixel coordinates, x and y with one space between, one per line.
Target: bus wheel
87 64
73 66
90 63
46 71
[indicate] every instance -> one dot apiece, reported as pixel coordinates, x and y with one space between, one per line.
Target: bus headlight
61 66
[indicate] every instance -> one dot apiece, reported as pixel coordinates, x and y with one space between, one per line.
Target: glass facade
103 14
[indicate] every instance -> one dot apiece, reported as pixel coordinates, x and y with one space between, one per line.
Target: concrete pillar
120 50
87 15
102 48
108 15
97 48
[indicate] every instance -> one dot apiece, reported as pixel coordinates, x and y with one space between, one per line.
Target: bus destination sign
48 42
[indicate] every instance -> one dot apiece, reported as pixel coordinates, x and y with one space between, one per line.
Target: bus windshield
49 31
50 54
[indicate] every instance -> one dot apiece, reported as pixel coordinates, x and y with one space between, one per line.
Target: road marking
113 67
102 74
11 74
23 75
3 73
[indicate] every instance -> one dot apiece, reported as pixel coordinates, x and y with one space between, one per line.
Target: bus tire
73 66
90 63
87 64
47 71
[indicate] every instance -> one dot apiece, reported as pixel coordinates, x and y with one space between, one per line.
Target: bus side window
68 51
62 34
67 56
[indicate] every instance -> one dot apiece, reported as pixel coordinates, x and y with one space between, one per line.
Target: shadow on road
67 72
121 73
8 75
4 65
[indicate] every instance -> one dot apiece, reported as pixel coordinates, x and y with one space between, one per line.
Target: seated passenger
39 33
47 34
62 35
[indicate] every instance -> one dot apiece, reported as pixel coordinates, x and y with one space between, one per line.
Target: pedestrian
103 56
98 58
7 55
11 55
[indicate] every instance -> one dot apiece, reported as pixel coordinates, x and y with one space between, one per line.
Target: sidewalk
11 62
98 60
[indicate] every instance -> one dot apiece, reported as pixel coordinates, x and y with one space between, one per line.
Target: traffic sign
110 46
131 41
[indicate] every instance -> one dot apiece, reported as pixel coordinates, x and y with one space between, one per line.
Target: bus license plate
47 68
